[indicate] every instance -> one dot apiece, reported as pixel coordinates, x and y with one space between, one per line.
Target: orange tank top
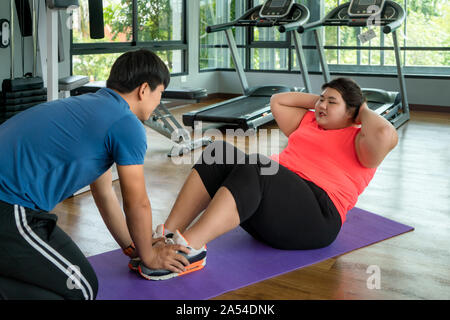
328 159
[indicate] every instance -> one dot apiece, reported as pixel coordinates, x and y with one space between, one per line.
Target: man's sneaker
196 258
160 230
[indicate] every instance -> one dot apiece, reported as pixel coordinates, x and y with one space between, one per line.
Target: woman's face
331 111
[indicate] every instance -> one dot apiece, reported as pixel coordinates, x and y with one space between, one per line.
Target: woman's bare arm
376 138
288 109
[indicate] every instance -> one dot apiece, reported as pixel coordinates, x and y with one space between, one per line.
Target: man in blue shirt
50 151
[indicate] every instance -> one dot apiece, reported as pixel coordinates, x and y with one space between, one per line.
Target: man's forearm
139 221
112 214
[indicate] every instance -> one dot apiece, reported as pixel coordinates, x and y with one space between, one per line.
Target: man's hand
165 256
155 240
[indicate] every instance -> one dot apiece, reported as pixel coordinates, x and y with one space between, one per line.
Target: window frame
77 49
438 72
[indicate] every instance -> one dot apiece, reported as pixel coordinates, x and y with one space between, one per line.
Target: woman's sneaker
133 264
196 258
160 230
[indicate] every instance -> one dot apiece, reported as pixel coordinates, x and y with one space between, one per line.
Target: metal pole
323 62
301 60
237 60
33 2
401 78
52 54
12 39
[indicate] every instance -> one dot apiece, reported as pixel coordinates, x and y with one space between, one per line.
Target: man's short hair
134 68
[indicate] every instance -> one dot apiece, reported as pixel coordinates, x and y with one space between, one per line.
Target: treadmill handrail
220 27
263 23
310 26
398 22
386 29
228 25
294 25
319 23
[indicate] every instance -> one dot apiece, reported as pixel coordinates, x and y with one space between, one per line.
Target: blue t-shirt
50 151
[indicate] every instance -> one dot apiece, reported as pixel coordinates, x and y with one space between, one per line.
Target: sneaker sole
133 268
198 265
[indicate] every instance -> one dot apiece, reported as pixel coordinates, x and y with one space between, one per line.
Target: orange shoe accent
193 267
142 274
132 268
190 268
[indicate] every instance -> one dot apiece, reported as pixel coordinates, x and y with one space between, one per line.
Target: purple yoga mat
236 260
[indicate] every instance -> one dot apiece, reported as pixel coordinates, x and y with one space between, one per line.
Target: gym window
425 49
424 42
158 25
214 52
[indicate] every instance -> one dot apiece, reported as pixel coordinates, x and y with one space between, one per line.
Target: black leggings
275 205
38 260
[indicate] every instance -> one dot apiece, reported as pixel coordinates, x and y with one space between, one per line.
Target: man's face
151 100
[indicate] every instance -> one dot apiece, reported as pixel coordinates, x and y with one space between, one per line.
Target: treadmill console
276 8
365 8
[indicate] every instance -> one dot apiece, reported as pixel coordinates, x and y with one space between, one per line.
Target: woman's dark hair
134 68
350 91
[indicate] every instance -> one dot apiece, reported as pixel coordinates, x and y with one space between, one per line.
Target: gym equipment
390 104
30 81
24 16
25 92
50 64
365 8
162 120
61 4
96 23
4 33
236 260
253 108
69 83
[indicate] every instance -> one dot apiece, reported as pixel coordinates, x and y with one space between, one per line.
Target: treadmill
392 105
252 109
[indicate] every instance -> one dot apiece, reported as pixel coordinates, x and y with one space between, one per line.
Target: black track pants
38 260
275 205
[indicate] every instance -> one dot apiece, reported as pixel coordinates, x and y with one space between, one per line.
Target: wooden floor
412 186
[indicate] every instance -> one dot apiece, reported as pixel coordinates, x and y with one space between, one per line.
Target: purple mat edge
399 229
320 260
306 265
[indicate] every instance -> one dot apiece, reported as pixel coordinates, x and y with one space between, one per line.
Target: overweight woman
335 144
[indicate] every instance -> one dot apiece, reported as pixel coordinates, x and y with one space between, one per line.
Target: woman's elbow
273 101
388 136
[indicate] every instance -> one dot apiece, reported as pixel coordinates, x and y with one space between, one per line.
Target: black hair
133 68
350 91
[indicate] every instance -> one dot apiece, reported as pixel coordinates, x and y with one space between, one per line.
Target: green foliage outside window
158 20
426 26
